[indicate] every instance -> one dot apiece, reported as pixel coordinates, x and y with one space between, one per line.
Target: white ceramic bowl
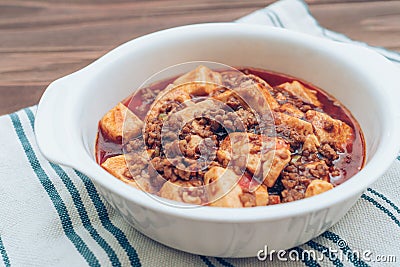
365 82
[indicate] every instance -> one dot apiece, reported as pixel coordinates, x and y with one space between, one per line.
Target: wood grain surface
43 40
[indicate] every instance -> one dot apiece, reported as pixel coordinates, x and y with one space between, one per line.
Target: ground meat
291 177
207 149
152 133
199 127
321 171
298 175
234 103
291 136
220 122
329 153
182 152
172 169
137 166
334 171
212 126
297 193
248 119
134 146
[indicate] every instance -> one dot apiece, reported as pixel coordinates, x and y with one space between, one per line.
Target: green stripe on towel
80 207
4 255
305 258
346 249
277 18
224 262
388 201
107 223
324 250
207 261
54 196
101 210
76 198
382 208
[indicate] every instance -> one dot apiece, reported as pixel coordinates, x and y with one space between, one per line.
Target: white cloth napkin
51 215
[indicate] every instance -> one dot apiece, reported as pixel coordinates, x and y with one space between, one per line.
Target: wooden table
43 40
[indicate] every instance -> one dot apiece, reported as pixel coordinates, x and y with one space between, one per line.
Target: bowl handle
53 131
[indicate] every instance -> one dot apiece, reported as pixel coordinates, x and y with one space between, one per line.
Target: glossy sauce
355 149
333 108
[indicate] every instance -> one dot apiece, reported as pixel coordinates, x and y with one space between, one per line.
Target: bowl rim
377 165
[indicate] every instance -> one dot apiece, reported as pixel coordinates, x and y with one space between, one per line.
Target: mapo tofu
229 138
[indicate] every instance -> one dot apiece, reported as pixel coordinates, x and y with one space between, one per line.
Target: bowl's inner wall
319 65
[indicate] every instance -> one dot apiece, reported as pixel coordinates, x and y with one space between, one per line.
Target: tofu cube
317 187
331 131
121 123
201 81
222 187
300 91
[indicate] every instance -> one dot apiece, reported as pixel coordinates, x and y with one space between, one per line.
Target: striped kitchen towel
51 215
